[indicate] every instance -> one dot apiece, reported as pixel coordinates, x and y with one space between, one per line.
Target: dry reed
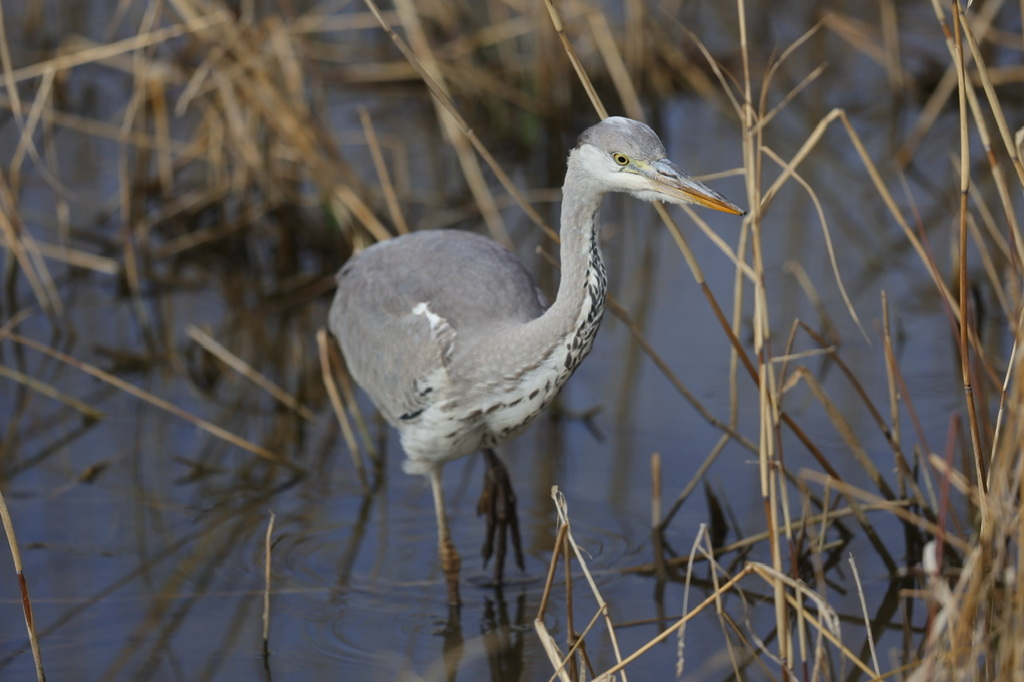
256 152
971 633
26 601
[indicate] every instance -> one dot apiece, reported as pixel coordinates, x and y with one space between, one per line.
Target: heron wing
397 355
403 306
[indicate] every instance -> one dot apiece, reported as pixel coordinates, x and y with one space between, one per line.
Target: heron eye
620 158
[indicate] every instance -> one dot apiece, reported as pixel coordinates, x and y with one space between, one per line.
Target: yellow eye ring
620 158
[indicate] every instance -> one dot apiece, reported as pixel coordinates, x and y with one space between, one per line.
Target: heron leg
498 504
450 561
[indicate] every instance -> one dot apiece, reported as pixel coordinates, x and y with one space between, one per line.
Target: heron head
623 155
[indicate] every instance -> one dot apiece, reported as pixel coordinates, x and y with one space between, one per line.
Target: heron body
448 333
478 361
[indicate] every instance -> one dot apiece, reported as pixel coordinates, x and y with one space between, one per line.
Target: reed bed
960 510
226 144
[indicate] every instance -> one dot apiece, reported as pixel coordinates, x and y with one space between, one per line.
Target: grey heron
449 335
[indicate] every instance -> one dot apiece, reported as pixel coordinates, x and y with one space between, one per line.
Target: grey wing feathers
403 305
469 280
393 354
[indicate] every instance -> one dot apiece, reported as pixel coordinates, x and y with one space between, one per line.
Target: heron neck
537 358
582 281
571 323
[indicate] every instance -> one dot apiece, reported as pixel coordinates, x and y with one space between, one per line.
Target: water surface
143 535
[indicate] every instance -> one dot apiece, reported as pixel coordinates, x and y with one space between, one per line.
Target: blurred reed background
807 465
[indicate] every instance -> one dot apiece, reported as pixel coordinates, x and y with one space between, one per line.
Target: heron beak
668 179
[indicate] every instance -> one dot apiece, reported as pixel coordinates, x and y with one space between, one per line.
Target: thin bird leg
450 561
498 503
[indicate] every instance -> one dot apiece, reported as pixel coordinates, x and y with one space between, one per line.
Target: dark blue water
143 535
